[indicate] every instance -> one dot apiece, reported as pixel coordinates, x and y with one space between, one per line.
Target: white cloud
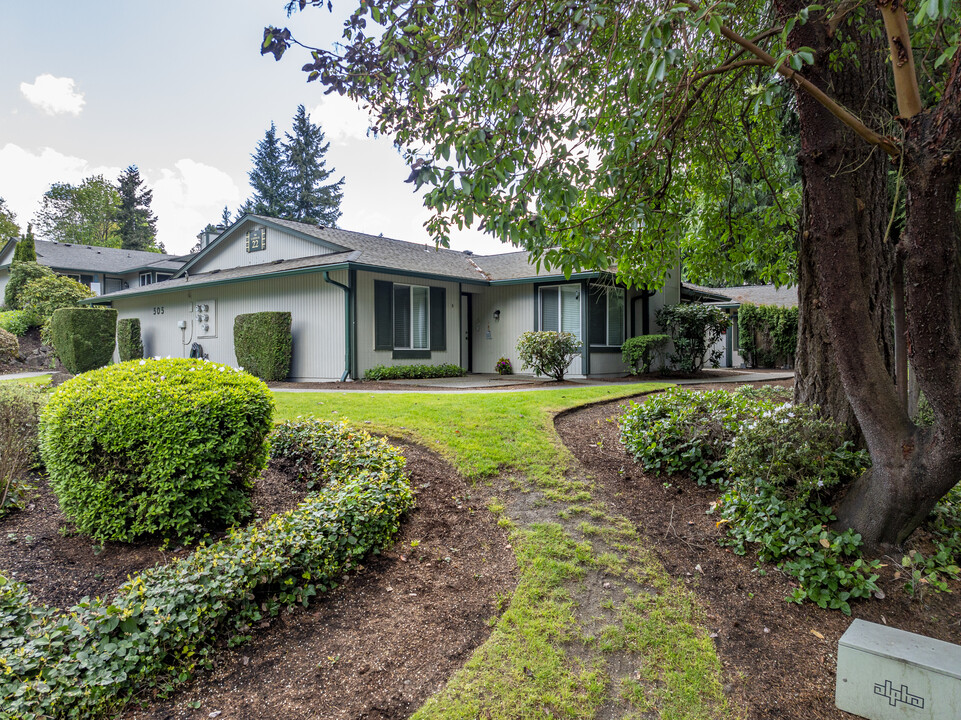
340 118
25 176
188 197
53 95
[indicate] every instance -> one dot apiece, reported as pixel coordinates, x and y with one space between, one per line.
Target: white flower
143 362
157 357
221 368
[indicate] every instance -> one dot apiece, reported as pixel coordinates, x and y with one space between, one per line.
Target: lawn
566 644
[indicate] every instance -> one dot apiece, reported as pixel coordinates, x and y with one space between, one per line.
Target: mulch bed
378 646
779 658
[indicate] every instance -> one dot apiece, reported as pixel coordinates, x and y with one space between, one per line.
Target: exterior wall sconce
497 315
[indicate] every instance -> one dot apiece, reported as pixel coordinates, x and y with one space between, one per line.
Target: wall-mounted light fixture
497 315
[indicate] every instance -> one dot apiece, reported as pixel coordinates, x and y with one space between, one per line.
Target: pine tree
26 250
137 223
268 179
312 201
225 217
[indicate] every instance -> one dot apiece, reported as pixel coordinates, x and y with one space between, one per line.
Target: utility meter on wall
205 318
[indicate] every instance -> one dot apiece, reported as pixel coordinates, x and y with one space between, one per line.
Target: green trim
348 330
410 354
355 364
585 328
546 279
268 223
414 273
154 289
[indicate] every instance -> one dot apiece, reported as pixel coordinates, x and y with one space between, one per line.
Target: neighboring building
358 301
101 269
730 299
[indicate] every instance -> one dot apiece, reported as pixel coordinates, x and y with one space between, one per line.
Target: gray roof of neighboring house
90 258
754 294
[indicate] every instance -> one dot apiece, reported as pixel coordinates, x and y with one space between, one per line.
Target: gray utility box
889 674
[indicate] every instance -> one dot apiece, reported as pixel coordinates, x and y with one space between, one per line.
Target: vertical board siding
280 246
516 303
317 320
368 357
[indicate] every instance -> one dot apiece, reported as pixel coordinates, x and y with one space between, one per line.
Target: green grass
481 434
39 380
543 657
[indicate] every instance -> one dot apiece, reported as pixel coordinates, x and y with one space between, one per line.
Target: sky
179 89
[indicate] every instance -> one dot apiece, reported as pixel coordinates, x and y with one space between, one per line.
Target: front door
465 343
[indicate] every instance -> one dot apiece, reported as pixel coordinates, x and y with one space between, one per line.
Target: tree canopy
136 222
617 133
85 214
9 230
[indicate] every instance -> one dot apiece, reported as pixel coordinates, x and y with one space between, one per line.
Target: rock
59 378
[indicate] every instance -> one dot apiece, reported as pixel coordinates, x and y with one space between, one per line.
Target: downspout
347 334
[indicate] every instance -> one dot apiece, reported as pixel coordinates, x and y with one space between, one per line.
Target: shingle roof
90 258
754 294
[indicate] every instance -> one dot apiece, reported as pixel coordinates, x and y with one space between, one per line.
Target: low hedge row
413 372
91 659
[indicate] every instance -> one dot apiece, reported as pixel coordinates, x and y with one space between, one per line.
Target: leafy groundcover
89 660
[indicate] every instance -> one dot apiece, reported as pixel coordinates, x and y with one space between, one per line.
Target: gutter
347 328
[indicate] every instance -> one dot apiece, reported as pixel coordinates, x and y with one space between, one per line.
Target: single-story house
101 269
730 299
358 301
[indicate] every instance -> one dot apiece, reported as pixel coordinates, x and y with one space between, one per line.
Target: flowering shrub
683 431
15 321
548 353
155 446
504 367
160 626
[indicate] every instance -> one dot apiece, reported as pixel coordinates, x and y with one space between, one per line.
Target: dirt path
779 657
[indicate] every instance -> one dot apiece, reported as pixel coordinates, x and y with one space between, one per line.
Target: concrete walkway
27 375
493 383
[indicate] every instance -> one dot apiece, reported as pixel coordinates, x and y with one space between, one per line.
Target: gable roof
91 258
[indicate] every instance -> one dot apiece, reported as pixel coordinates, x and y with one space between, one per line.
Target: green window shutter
597 316
438 318
383 321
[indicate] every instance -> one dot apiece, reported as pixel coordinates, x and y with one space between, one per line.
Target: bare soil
779 657
376 647
34 356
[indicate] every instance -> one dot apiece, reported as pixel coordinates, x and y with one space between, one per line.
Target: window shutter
438 318
550 310
402 316
597 316
383 329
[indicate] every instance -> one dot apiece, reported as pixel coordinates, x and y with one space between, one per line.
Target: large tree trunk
833 157
843 224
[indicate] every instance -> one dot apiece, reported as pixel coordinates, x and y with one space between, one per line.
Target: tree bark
844 180
912 468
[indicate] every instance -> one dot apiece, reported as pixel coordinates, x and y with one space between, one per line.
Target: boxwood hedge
413 372
155 446
263 344
84 338
129 342
89 660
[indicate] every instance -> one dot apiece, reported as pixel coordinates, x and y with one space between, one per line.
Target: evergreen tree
136 221
26 250
312 201
225 217
272 194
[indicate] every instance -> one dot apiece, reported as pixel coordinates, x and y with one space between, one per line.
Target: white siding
232 251
317 320
367 357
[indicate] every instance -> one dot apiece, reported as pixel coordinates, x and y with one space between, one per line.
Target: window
163 276
410 320
146 279
606 313
560 308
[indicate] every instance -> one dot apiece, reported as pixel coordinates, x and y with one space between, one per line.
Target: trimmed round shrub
129 342
83 338
156 446
263 344
21 274
9 346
